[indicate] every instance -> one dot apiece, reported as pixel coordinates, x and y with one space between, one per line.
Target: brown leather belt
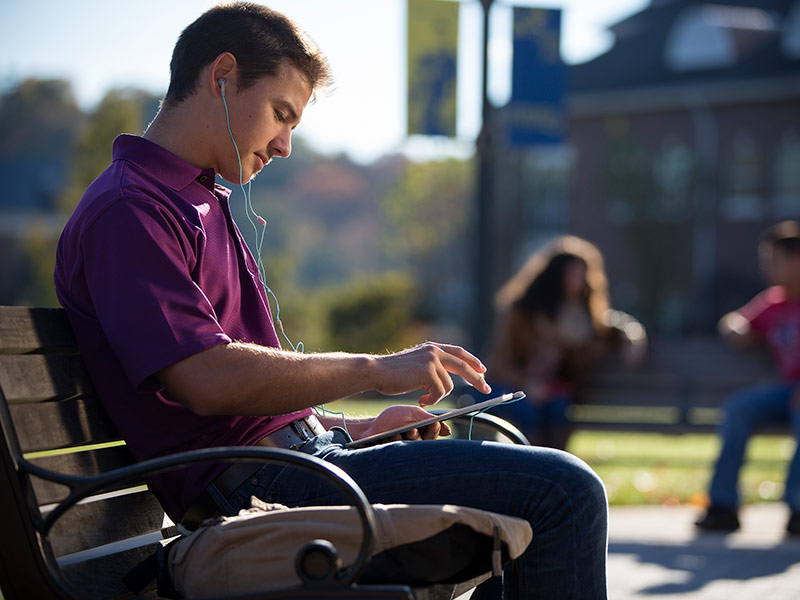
292 434
288 436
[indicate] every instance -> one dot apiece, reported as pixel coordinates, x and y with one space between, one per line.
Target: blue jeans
745 411
561 497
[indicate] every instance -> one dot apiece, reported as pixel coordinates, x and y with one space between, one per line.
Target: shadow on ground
708 558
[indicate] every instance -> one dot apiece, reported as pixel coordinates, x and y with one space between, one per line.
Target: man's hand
428 367
735 329
397 416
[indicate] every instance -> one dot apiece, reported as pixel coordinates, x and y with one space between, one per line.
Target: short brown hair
784 236
260 38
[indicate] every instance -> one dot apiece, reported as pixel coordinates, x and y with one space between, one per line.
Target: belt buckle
313 425
302 430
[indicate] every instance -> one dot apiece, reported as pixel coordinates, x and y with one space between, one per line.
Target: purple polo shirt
152 269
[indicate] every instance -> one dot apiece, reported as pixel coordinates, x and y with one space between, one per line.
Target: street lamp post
483 214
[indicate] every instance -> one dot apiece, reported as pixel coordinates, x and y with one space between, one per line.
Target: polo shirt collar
161 164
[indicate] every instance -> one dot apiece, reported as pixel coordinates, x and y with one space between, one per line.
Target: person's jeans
745 411
561 497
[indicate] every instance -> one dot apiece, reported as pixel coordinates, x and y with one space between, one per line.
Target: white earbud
222 83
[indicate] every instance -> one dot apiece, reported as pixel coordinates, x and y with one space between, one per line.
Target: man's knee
739 410
594 487
580 481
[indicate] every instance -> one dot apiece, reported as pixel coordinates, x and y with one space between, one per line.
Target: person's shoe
793 526
720 518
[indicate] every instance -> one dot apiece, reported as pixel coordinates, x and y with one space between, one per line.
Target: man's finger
434 430
459 352
454 364
412 434
440 385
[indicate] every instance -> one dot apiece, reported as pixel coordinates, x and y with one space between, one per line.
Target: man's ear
222 67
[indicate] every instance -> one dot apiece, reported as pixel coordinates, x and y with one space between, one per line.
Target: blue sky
98 45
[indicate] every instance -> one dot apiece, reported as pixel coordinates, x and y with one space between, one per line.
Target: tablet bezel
456 412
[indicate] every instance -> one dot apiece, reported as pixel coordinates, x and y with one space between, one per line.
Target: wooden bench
77 515
680 388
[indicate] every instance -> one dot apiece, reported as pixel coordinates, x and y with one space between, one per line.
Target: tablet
465 410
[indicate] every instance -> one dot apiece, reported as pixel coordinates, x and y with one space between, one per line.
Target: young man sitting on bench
173 321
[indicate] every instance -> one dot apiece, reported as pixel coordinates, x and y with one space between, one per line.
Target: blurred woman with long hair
554 321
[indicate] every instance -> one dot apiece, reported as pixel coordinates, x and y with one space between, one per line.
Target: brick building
685 145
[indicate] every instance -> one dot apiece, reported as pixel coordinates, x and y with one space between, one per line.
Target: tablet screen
465 410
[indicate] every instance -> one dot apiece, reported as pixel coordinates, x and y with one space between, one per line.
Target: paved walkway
655 553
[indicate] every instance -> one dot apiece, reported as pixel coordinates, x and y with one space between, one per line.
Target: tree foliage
43 125
125 110
372 314
428 207
38 116
429 211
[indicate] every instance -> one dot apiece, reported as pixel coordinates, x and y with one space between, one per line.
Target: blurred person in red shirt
771 317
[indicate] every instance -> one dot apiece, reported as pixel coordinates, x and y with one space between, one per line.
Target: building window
744 200
786 201
545 180
627 176
673 173
714 36
790 36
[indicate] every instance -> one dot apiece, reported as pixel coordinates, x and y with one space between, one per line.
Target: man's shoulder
116 183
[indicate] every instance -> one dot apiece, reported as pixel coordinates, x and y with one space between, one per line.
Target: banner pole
483 291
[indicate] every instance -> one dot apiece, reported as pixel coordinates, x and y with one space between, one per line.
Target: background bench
59 446
680 388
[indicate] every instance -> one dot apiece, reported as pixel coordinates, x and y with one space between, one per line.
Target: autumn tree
66 150
125 110
429 209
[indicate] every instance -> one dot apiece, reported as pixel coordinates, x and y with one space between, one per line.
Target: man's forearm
355 425
246 379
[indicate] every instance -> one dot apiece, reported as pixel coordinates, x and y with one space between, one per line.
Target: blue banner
536 112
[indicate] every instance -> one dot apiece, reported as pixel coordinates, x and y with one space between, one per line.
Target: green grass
650 468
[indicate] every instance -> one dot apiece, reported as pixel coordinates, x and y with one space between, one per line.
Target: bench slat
102 577
603 396
55 425
689 374
24 330
91 462
34 378
105 521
